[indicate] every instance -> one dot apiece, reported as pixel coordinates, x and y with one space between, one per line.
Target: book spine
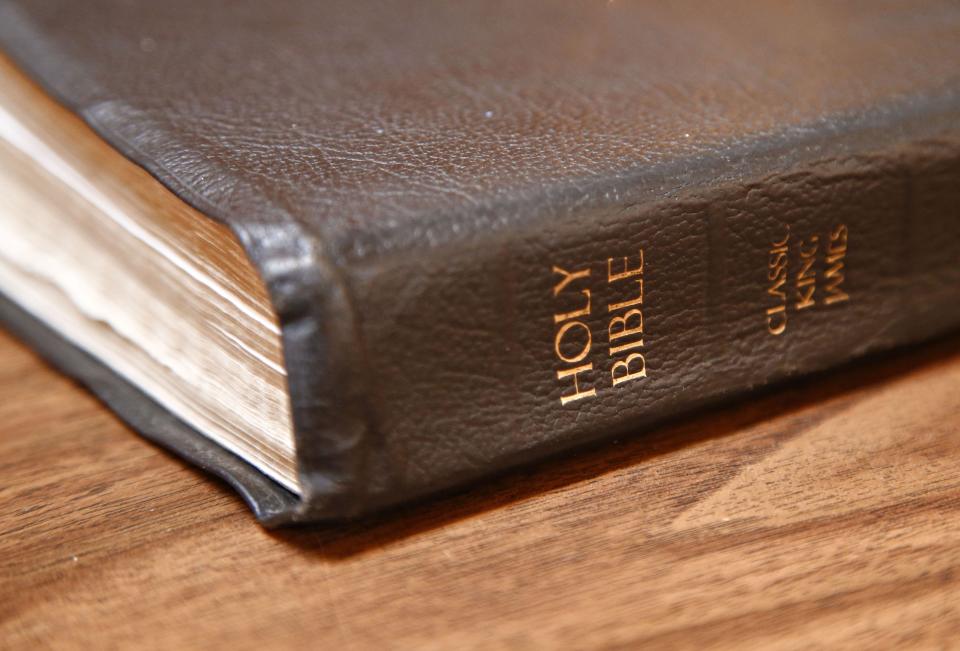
513 346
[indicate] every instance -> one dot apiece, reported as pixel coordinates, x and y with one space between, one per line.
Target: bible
349 255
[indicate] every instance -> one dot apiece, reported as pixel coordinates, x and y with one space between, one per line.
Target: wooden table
825 513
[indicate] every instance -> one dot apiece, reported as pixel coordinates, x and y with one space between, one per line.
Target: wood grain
825 514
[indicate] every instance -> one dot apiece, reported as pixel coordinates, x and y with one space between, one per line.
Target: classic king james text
819 275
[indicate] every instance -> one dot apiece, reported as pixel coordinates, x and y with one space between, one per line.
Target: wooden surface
827 514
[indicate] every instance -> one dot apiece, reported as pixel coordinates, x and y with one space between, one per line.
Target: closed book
345 255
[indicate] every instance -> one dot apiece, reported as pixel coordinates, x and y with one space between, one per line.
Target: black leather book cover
493 231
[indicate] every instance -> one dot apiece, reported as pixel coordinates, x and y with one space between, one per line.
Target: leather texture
406 175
